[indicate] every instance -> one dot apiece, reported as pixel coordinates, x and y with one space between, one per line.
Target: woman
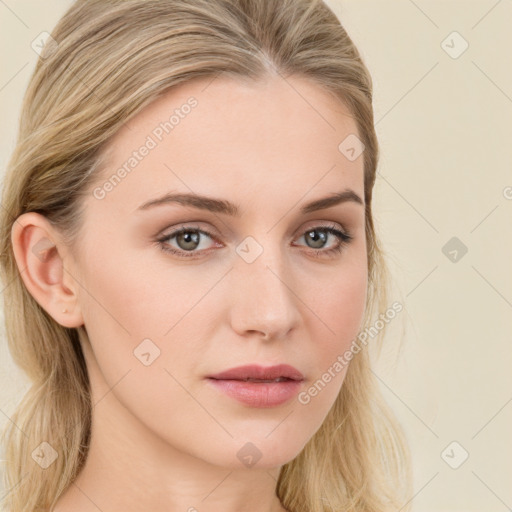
191 263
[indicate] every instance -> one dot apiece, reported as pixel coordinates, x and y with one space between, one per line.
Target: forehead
221 137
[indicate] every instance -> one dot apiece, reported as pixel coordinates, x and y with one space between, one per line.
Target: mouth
257 386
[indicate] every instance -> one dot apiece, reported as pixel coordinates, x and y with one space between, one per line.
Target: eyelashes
193 234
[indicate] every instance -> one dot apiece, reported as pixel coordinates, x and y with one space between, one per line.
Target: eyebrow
226 207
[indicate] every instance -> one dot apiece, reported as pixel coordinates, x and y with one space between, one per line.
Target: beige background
446 159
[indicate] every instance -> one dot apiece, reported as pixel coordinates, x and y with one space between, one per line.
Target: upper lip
254 371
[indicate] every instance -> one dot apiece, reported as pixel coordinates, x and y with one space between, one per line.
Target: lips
256 373
257 386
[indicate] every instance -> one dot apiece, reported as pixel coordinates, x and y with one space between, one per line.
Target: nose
263 301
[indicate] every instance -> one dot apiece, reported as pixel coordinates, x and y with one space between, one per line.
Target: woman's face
263 286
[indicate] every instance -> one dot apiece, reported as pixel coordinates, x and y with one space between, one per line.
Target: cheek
339 304
130 295
133 307
338 300
346 303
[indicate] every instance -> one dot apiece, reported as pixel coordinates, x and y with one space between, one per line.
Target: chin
258 452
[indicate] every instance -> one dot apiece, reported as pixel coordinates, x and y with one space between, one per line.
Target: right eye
188 239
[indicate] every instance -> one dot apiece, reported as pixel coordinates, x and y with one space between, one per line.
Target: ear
40 255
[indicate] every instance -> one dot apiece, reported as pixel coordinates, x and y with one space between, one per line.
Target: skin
164 439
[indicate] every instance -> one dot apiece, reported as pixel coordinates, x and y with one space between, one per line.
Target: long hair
105 62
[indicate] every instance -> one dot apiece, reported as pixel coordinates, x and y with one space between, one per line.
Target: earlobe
39 251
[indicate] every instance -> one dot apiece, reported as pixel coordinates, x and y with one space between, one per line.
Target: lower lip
259 394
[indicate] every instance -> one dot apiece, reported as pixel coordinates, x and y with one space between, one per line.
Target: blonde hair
109 60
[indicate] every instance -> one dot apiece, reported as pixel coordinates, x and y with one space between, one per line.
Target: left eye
189 239
319 235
